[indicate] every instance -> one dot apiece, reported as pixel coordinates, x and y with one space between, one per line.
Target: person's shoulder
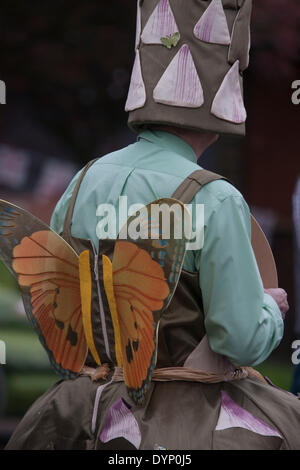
223 203
218 191
223 189
118 157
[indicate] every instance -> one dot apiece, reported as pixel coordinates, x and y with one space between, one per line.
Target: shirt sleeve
59 213
242 322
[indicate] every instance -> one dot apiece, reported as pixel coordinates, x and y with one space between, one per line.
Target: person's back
187 75
151 169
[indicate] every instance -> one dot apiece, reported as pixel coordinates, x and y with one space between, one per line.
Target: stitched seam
147 169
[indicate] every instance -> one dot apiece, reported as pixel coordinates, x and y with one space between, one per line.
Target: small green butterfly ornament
170 41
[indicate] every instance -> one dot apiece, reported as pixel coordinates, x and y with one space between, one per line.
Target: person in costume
187 382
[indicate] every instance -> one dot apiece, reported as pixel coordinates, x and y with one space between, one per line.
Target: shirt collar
169 141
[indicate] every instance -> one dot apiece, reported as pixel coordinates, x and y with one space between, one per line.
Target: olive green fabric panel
59 420
177 416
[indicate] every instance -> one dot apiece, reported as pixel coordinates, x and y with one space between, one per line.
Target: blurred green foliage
6 280
24 350
279 373
27 372
23 388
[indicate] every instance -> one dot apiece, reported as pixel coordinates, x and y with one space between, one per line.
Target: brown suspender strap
193 183
68 218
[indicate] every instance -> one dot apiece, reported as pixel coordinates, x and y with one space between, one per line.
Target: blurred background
67 66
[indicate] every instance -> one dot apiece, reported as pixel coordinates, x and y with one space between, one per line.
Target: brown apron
180 414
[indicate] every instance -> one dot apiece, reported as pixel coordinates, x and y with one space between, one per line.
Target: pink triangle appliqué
120 422
160 24
180 84
234 416
228 103
212 26
137 92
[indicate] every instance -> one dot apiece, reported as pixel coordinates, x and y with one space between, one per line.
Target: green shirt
242 322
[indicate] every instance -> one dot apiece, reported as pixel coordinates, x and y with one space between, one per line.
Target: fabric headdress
190 57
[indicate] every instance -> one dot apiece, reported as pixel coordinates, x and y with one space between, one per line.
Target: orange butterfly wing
140 289
48 267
